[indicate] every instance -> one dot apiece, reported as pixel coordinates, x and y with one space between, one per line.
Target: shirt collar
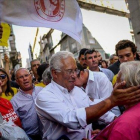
26 92
91 76
100 69
64 90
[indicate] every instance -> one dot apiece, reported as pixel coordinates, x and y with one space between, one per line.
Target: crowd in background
75 99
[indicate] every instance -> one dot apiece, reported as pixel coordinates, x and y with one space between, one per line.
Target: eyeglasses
3 76
72 72
23 76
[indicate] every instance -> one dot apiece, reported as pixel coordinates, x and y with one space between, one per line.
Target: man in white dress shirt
65 109
95 84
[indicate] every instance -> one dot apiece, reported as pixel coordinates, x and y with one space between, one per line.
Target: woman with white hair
127 126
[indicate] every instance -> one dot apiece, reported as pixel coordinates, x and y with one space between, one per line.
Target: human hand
6 58
95 132
124 96
115 118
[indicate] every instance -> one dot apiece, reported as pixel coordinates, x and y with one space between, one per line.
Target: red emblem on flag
51 10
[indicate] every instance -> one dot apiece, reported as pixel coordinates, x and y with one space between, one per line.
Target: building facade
11 51
134 7
104 24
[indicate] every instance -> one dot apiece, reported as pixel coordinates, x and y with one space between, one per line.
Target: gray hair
56 59
46 76
111 56
20 69
33 61
130 73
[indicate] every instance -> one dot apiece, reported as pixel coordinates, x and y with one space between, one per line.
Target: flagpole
35 39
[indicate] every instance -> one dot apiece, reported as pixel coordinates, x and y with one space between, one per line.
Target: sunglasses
3 76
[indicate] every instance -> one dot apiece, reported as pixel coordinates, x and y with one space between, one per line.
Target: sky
25 36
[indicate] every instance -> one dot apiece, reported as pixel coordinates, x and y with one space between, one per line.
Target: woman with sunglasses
7 91
6 109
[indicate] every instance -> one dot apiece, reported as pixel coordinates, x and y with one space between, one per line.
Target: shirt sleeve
57 110
105 88
108 117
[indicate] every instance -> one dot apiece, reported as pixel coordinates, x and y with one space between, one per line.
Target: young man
92 62
126 51
81 58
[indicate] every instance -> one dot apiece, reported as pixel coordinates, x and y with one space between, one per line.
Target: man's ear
81 73
54 74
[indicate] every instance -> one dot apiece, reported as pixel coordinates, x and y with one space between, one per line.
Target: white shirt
99 87
63 112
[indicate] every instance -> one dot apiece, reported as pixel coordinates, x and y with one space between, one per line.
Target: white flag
63 15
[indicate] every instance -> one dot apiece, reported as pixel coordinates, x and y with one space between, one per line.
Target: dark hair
137 56
105 63
122 44
79 67
9 89
41 69
82 52
89 51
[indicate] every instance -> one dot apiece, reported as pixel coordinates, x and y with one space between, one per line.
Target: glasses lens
3 76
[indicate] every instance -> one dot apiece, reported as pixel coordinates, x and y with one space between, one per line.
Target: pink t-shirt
126 127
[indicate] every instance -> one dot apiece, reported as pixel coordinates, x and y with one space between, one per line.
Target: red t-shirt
8 113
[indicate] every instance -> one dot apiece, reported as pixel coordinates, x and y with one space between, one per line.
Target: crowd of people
68 99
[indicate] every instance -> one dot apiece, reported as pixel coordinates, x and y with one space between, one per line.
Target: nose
93 59
125 59
24 77
74 74
37 66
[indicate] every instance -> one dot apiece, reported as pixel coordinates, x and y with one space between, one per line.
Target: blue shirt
24 105
108 73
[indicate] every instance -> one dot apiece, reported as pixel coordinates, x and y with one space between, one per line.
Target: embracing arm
119 96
